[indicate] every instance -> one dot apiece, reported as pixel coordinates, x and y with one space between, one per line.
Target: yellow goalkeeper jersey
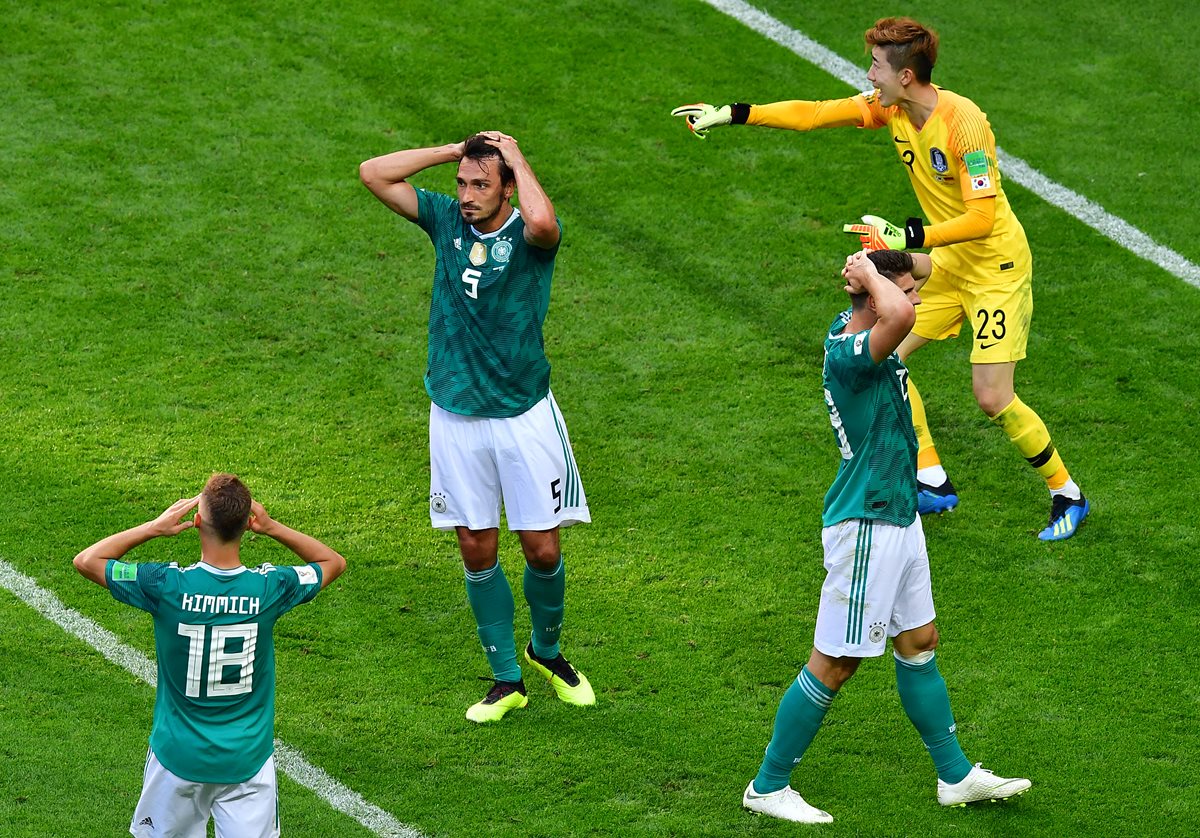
950 160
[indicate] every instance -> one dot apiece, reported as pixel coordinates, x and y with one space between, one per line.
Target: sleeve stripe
969 134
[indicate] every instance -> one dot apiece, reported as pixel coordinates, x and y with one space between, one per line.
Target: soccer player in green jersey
982 266
877 583
495 431
213 740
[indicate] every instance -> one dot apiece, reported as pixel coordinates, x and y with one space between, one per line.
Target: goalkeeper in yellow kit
982 269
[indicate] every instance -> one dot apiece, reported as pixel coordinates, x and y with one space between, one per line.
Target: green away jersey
872 424
214 710
490 296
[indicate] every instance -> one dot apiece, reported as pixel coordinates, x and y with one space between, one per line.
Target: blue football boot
936 498
1066 514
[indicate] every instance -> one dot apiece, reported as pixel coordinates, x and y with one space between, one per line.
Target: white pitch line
1089 212
293 762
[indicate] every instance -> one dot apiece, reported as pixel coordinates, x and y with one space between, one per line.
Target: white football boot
785 804
980 784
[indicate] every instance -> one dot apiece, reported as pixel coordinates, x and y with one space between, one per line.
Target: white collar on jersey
221 571
516 213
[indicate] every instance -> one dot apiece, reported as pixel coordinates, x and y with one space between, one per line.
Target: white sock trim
916 660
1070 489
932 475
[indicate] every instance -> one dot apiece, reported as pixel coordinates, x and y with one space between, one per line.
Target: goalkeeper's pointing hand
700 117
877 233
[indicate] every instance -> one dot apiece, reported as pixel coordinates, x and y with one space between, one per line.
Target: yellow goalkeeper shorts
998 315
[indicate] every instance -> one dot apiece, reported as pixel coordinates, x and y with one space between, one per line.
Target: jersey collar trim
220 571
516 213
838 330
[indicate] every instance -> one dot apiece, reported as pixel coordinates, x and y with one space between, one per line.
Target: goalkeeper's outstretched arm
795 115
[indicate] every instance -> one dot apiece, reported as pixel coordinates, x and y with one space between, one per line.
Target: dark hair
228 502
479 148
891 263
907 43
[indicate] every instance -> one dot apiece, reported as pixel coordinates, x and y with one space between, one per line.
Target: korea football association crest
478 254
502 250
937 159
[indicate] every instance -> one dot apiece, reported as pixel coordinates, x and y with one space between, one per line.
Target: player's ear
196 519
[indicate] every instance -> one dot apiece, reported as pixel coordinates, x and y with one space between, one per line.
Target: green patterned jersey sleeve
135 584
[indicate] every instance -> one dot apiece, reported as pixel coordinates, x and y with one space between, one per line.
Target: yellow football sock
927 454
1028 432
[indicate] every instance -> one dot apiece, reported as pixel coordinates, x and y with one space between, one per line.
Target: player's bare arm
541 227
922 268
892 306
387 176
91 561
305 546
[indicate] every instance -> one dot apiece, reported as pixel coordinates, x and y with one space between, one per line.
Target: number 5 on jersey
471 277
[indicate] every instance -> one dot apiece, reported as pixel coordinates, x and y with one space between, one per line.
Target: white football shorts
180 808
876 586
525 461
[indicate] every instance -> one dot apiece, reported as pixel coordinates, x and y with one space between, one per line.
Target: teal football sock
545 592
491 600
927 703
796 723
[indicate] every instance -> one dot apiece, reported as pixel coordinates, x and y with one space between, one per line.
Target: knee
916 643
542 549
840 673
477 562
478 549
832 672
543 557
992 400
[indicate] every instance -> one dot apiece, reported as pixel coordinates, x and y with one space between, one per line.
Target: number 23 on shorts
991 327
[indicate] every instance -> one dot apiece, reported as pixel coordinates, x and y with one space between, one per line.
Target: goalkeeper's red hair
908 44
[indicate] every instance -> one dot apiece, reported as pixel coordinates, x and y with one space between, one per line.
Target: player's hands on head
857 267
168 522
701 116
260 521
510 152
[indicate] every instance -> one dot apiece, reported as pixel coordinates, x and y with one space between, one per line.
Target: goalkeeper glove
880 234
700 116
